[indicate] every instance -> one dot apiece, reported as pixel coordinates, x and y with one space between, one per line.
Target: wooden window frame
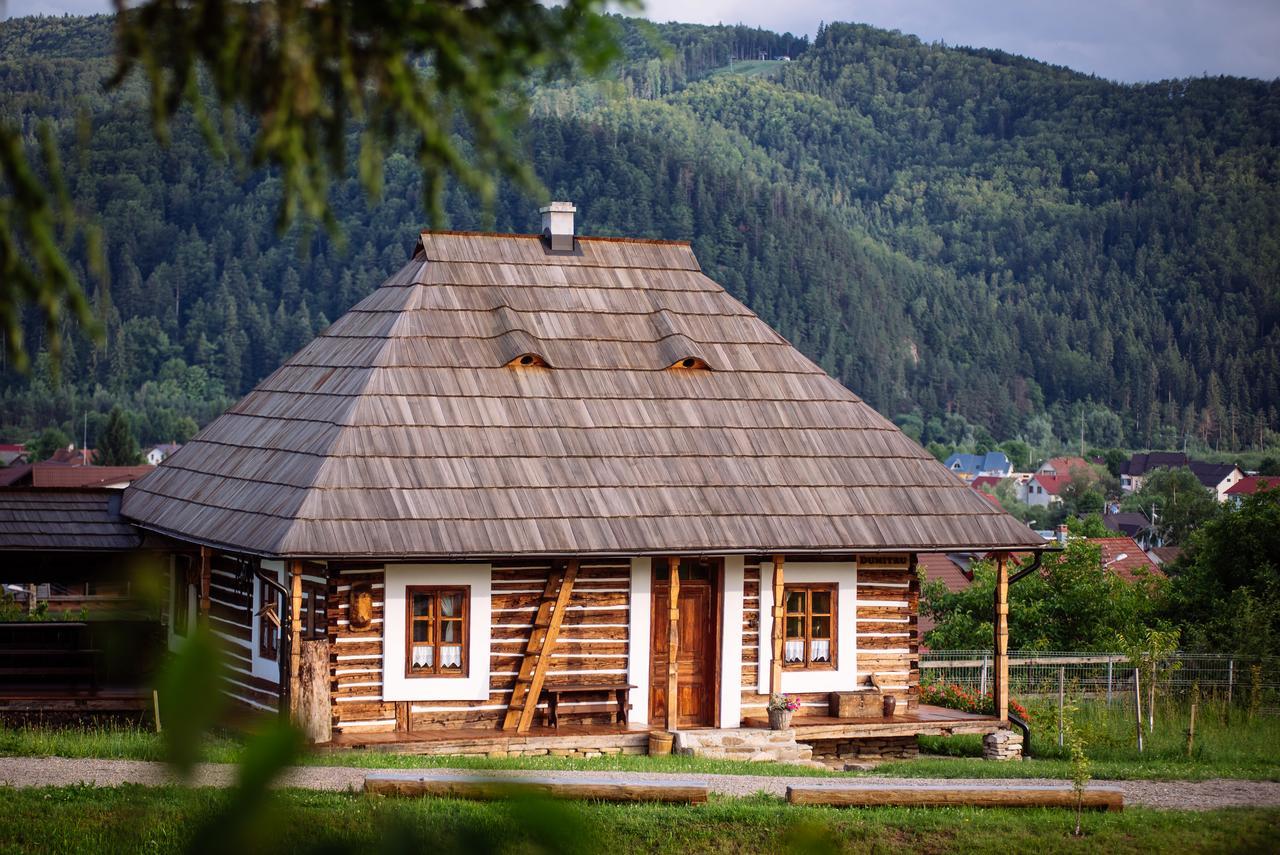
435 673
268 634
315 594
180 617
806 618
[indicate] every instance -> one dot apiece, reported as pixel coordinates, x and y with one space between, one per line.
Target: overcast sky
1129 40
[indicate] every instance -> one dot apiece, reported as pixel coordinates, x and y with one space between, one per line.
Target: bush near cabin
1069 605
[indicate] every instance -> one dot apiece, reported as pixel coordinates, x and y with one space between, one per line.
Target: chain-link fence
1108 676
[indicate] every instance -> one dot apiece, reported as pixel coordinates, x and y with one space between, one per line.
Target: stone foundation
1002 745
500 744
837 752
743 744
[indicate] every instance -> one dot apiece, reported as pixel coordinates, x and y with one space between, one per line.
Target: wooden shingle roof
405 431
33 519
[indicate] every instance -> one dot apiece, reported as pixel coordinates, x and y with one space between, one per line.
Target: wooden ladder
537 653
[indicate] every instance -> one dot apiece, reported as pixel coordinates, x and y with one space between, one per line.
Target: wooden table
553 691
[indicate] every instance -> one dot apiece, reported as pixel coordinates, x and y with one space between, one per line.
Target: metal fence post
982 679
1137 706
1108 681
1231 678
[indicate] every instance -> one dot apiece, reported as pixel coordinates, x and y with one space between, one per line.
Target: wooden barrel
660 742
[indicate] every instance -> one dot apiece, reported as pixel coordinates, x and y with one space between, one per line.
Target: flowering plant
956 697
783 702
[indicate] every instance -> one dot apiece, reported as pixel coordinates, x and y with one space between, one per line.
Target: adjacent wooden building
554 473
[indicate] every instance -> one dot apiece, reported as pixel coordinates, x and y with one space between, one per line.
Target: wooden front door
696 659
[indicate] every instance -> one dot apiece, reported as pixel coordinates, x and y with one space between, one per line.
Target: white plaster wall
638 636
473 687
267 669
731 644
845 677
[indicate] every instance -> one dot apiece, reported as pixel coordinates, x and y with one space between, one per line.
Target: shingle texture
403 431
74 520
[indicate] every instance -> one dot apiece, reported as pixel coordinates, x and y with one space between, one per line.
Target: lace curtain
451 656
423 655
820 650
793 651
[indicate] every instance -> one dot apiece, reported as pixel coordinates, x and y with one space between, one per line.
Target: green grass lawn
1228 745
167 819
132 743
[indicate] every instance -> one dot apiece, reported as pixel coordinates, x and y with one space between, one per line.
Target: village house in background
560 488
11 454
157 454
1250 484
970 466
1218 477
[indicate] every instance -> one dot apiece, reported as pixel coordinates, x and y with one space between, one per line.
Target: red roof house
1250 484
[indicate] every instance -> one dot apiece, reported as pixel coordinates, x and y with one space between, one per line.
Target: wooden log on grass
487 788
868 796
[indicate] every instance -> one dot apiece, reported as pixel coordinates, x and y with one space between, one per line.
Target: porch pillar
206 574
779 628
1000 687
295 636
673 645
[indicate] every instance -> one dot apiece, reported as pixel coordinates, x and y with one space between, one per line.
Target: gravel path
60 771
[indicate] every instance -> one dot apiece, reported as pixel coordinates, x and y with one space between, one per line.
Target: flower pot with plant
781 708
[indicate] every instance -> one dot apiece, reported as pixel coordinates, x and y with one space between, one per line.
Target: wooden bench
605 788
853 795
618 703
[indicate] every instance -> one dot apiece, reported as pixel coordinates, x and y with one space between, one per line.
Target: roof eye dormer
528 360
693 363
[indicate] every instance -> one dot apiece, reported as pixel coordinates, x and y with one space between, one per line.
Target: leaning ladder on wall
537 653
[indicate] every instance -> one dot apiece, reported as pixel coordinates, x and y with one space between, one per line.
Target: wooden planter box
856 704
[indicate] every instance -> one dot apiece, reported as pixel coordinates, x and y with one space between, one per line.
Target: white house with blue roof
970 466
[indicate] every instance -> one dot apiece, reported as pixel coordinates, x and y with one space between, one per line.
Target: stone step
754 744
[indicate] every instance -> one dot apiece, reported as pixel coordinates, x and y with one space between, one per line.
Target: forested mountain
971 240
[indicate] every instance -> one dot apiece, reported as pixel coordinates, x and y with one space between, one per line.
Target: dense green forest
981 245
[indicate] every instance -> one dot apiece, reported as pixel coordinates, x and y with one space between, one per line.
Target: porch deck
925 720
590 740
579 740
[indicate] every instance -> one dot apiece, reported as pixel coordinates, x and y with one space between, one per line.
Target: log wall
887 637
231 621
592 646
232 616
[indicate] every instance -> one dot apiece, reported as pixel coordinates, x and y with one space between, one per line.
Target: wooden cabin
75 638
539 480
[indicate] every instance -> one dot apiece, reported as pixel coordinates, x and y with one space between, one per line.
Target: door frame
715 580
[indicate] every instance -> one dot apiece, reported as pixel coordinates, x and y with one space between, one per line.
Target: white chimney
557 225
1062 535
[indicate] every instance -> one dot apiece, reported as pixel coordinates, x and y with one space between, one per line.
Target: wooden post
314 715
779 628
1191 730
1062 679
1001 675
206 574
673 645
1151 697
1137 705
295 636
